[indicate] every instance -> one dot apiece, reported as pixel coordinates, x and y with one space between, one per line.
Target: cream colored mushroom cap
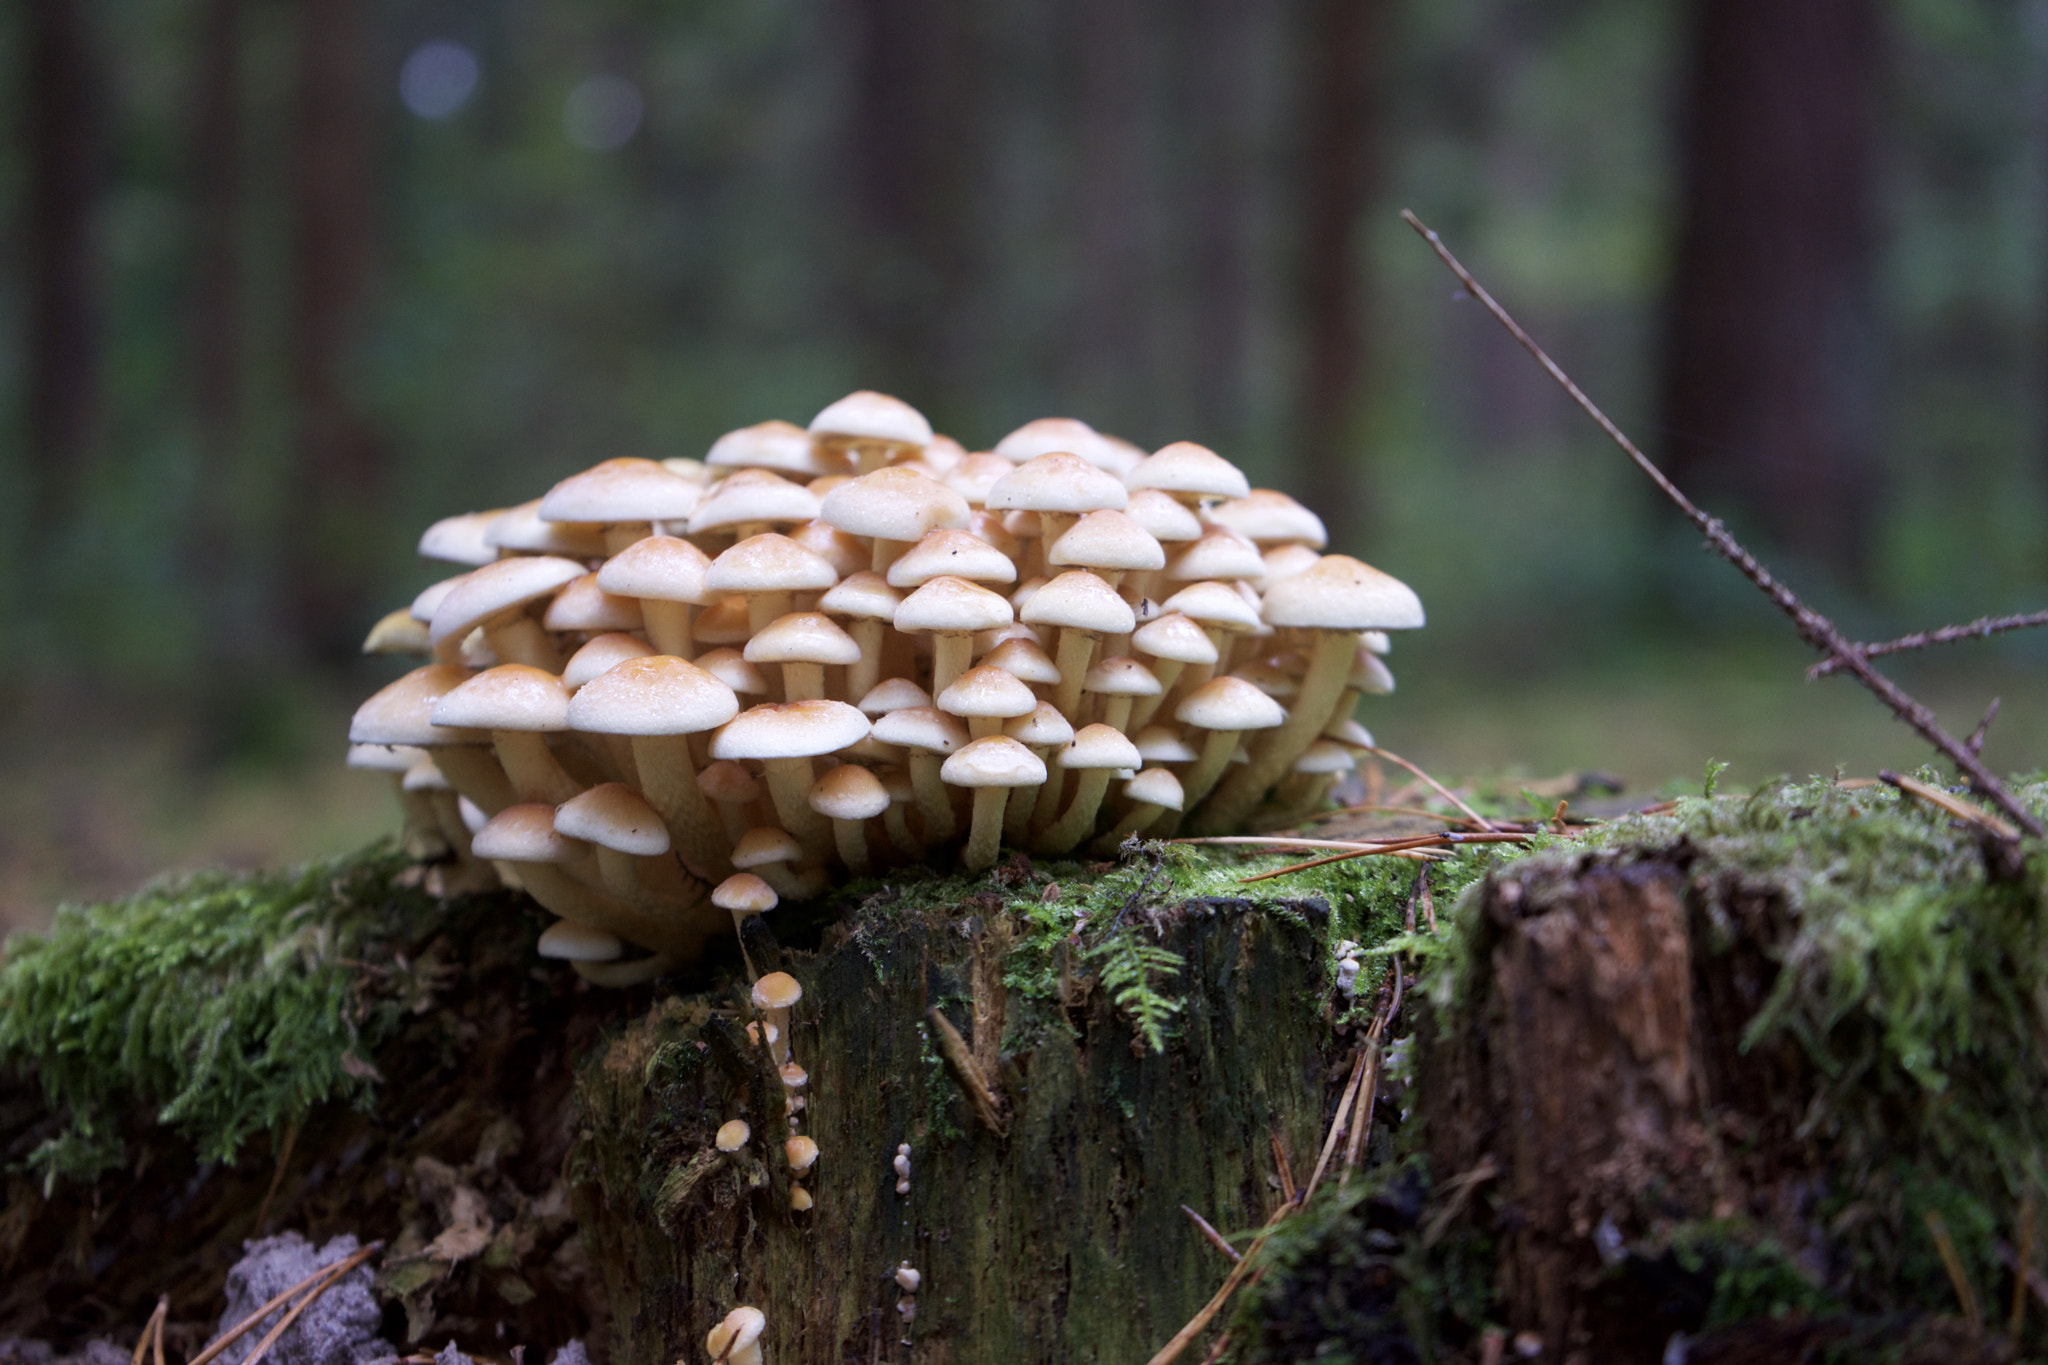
508 697
743 1326
1285 561
385 758
726 780
1268 516
524 833
1177 638
426 776
953 605
1162 515
1325 756
621 490
520 528
802 637
402 711
849 792
1048 436
988 692
746 893
567 941
894 504
1121 677
993 761
1079 600
1341 593
796 729
582 607
925 728
776 991
665 568
1107 539
1187 468
1369 675
1045 725
958 553
601 654
801 1151
730 667
753 495
865 595
1156 787
778 445
893 694
1100 746
1163 744
1219 553
768 563
1059 482
1023 659
398 632
1214 604
869 416
657 695
613 816
732 1135
975 475
764 845
1229 703
429 599
502 586
460 539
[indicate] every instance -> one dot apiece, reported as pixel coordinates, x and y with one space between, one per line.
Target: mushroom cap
782 446
865 415
1023 659
1285 561
894 504
1349 732
520 528
1078 600
621 490
1057 482
524 833
949 605
567 941
733 1135
769 563
893 694
1376 641
402 711
1047 436
1219 553
1163 744
1121 677
1100 746
460 539
613 816
959 553
975 475
508 697
1046 725
988 692
600 654
849 792
1156 787
865 595
583 607
665 568
1341 593
801 1151
907 1278
746 893
1228 703
726 780
657 695
800 1200
1189 470
693 470
793 1076
385 758
1164 516
743 1326
989 641
776 991
1268 517
425 776
398 632
429 598
846 554
764 845
1369 675
730 667
993 761
506 585
794 729
1325 756
724 622
1021 595
1269 677
802 637
753 495
925 728
1175 637
1107 539
1214 604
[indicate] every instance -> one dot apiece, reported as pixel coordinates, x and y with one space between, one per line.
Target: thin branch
1976 739
1814 628
1441 790
1215 1238
1961 810
1947 635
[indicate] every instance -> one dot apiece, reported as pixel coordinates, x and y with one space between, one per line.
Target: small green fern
1129 969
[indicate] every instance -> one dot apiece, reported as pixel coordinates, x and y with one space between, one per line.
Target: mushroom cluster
823 652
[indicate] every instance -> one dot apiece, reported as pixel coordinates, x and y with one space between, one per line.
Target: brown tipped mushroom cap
1214 604
776 991
726 780
1175 637
508 697
665 568
1045 725
524 833
975 475
601 654
951 605
802 637
1340 593
1058 482
1155 787
1047 436
782 446
1098 746
894 694
736 1340
657 695
1107 540
1024 660
613 816
1219 553
865 415
894 504
846 554
1189 470
567 941
1121 677
768 563
732 1135
988 692
1269 517
620 490
398 632
849 792
402 711
582 607
495 590
797 729
865 595
1325 756
764 846
1163 744
1078 600
520 528
958 553
801 1151
1229 703
1285 561
1164 516
793 1076
753 495
730 667
924 728
725 622
745 894
460 539
1369 675
994 761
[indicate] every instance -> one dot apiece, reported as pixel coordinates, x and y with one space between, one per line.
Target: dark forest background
286 279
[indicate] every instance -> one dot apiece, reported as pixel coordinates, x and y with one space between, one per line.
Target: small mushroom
902 1166
737 1339
774 995
907 1278
744 894
849 796
991 767
802 1153
1152 791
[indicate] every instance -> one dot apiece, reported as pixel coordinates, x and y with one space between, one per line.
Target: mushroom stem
1136 821
1078 819
803 681
862 675
474 771
668 627
1215 757
851 837
1168 672
424 840
519 639
789 783
987 832
1328 668
532 768
619 535
1076 648
668 781
1024 801
934 801
763 608
898 826
887 552
951 654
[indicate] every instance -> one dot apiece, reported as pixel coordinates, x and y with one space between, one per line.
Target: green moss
219 1005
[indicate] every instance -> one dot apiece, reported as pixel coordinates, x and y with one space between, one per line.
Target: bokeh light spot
602 112
437 79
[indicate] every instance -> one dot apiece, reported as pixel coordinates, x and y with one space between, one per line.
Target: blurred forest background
284 280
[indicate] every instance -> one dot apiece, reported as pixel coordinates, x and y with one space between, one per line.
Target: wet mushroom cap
1341 593
730 667
921 727
1107 539
948 604
1267 517
894 504
802 637
523 833
867 415
802 1153
947 551
567 941
750 496
732 1135
1057 482
746 894
776 991
401 712
1045 725
797 729
768 563
1188 469
849 792
1023 660
666 568
601 654
620 490
1156 787
894 694
988 692
996 761
762 846
1099 746
1229 703
781 446
611 814
494 589
657 695
460 539
507 697
865 595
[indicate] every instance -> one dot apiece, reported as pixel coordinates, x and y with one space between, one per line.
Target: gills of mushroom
1152 792
991 767
849 796
1336 599
660 701
785 738
1097 752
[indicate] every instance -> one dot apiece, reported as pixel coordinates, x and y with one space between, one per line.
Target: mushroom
623 496
401 712
730 667
958 553
902 1167
800 1200
772 853
1085 608
803 642
1110 543
849 796
992 767
666 574
869 604
846 554
1059 486
732 1135
872 428
951 610
931 735
423 836
801 1151
1152 791
740 895
631 844
495 599
1176 641
398 632
1190 473
518 704
895 508
1096 752
986 697
521 530
775 995
737 1339
907 1279
975 475
751 503
567 941
766 569
1226 707
600 654
525 834
785 738
1120 682
460 539
1021 658
783 447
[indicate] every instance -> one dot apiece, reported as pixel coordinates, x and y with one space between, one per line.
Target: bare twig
2023 1257
987 1106
1369 1089
1947 635
1238 1273
1339 1121
1952 1262
1962 810
1283 1167
151 1331
1417 848
1439 788
1215 1237
1814 628
1976 739
312 1282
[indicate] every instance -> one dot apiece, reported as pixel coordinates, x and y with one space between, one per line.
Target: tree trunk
1769 381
